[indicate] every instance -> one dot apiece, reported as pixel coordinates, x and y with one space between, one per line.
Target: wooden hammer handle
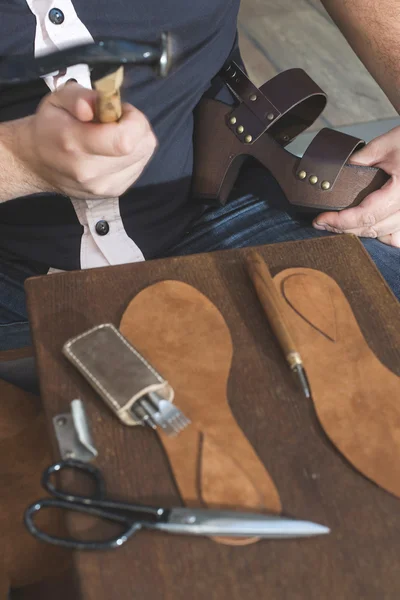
272 305
108 106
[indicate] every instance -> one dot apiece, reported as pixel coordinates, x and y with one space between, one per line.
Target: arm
15 179
372 28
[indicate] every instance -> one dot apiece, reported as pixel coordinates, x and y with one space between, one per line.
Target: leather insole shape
186 338
356 397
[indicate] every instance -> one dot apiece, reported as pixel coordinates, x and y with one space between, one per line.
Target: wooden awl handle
272 305
108 106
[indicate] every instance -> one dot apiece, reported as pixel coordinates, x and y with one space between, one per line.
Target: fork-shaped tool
153 410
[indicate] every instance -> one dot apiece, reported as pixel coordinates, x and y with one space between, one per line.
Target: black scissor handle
75 465
131 516
72 543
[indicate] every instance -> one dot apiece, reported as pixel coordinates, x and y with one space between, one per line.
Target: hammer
105 59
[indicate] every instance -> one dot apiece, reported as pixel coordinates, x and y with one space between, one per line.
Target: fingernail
319 225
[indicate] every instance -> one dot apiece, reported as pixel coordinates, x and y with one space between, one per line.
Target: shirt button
102 227
56 16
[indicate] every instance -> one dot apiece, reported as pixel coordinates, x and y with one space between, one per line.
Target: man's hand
65 152
378 215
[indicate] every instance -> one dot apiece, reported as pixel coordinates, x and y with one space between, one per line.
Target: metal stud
270 116
325 185
248 139
302 174
253 97
240 129
232 120
313 179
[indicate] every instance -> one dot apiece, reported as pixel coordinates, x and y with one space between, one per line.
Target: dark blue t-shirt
158 209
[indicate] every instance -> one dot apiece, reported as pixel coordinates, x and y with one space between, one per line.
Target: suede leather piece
184 336
24 453
356 397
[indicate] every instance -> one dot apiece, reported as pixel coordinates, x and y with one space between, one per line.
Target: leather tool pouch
116 370
283 107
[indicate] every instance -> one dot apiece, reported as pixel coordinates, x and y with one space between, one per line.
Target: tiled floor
280 34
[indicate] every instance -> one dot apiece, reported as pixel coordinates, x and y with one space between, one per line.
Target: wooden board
360 557
299 33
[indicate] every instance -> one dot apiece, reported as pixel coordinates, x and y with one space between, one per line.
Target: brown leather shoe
263 123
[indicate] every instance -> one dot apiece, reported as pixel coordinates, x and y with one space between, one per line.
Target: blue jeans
254 217
251 217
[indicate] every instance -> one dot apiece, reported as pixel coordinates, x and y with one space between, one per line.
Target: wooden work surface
359 559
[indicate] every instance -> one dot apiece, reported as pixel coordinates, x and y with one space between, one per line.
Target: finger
113 184
132 134
376 151
393 239
387 226
376 207
78 101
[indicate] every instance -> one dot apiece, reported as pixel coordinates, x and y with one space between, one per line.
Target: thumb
78 101
372 154
378 150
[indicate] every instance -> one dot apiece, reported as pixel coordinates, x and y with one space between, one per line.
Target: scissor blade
237 524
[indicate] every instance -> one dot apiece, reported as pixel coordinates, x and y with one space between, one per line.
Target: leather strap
286 105
326 156
245 91
300 100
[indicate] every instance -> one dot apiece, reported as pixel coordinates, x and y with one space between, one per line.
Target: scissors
191 521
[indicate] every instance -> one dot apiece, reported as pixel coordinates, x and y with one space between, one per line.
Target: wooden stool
24 453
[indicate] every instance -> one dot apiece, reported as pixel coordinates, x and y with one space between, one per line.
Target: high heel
260 127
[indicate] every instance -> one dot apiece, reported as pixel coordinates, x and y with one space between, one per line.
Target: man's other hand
378 215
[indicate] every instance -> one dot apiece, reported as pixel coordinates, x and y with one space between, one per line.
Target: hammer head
102 57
